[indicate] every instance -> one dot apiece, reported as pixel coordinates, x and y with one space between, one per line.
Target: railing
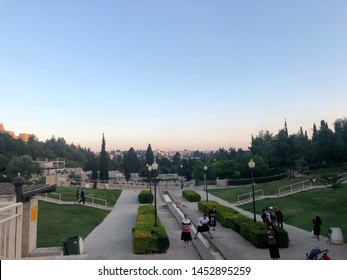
249 195
97 199
294 187
53 193
11 230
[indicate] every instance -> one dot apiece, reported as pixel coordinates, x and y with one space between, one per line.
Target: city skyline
177 75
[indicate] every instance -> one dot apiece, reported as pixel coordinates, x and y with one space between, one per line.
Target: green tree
223 169
263 145
94 168
340 143
132 161
323 143
23 165
127 172
149 155
335 181
104 161
198 170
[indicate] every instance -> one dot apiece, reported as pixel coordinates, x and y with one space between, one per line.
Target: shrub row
148 238
191 196
256 233
145 196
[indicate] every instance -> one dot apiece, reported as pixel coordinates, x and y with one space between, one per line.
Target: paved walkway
112 239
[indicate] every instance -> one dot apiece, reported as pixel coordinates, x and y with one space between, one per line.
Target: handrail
292 187
11 230
94 198
58 194
250 194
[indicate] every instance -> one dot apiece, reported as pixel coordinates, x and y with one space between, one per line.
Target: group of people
204 224
273 216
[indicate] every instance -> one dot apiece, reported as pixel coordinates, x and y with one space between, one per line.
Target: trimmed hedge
191 196
256 233
145 196
148 238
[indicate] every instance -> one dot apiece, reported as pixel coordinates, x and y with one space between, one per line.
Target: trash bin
336 236
73 245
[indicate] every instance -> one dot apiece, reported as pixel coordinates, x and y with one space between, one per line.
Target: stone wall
29 226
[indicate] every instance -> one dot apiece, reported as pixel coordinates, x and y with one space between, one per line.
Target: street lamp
251 166
205 171
155 168
147 176
149 167
18 183
182 176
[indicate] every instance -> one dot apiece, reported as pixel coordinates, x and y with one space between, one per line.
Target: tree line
271 153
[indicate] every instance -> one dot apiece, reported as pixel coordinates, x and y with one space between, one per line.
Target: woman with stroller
272 238
316 227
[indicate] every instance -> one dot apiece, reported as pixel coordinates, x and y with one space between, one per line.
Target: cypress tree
149 155
104 161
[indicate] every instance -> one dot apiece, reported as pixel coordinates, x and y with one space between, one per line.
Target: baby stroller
317 254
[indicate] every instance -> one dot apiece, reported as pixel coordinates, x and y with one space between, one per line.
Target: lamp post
149 167
147 176
205 171
155 168
18 183
182 176
251 166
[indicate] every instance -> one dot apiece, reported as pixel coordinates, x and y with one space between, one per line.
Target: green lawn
69 194
298 209
270 188
56 222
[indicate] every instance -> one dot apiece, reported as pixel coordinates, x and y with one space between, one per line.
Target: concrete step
47 252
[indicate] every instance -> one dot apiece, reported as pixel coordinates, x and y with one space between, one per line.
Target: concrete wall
222 183
29 226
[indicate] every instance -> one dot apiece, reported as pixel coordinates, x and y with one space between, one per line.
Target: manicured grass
69 194
298 209
57 222
270 188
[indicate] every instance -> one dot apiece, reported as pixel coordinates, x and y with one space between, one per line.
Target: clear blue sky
176 74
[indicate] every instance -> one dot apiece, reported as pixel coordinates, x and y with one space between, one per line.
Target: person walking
203 226
185 234
272 239
268 215
263 216
82 197
317 222
279 217
212 215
